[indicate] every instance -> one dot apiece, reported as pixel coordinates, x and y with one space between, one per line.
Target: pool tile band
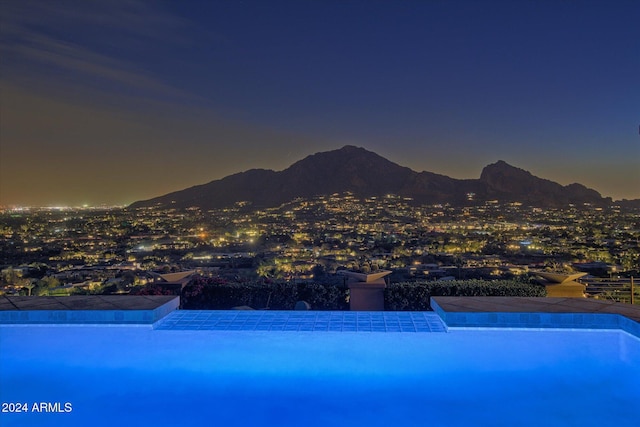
311 321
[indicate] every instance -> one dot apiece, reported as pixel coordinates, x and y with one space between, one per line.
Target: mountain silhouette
365 174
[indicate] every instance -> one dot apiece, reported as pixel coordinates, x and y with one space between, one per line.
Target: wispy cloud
36 45
96 18
84 64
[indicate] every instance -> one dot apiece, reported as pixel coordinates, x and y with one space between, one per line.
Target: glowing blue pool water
137 375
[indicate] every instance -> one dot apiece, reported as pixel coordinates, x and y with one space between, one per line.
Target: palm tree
27 283
264 269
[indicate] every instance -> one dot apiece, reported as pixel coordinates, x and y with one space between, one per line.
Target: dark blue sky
110 102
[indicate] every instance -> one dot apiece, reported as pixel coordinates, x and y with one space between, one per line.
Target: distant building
172 281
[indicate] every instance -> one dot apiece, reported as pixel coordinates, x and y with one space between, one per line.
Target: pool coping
536 312
90 309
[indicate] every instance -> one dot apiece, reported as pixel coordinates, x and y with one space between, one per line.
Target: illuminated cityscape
62 251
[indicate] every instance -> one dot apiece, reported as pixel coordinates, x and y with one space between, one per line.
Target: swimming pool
197 374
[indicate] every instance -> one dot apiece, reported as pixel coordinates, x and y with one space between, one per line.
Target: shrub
150 289
415 296
324 296
208 294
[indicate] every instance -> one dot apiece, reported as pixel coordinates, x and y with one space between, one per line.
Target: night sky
109 102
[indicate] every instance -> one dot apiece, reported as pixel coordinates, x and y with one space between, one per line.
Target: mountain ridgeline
364 173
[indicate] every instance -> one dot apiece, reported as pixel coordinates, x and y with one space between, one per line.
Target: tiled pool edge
471 312
303 321
123 317
536 320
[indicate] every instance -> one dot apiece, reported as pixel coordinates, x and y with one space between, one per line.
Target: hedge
415 296
201 295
